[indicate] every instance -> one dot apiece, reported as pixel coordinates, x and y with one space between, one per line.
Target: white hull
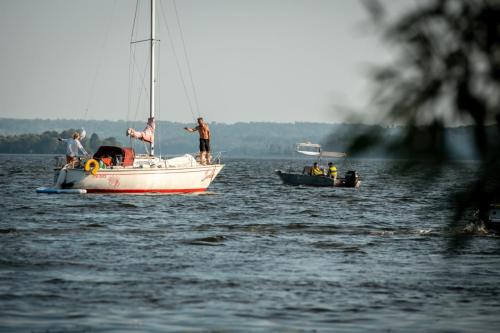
140 179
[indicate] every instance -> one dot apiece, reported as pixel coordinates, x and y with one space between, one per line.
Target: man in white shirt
72 147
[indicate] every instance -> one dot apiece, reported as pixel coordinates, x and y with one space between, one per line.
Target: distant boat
120 170
351 178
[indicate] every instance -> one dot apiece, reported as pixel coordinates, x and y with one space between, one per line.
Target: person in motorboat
316 170
204 133
73 146
332 170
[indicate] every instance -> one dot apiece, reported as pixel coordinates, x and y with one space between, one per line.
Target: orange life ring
92 164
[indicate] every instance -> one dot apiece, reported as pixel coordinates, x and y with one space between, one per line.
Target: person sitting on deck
332 170
316 170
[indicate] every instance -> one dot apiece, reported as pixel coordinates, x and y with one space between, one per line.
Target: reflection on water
250 255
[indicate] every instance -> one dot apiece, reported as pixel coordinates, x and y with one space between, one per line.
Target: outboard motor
351 178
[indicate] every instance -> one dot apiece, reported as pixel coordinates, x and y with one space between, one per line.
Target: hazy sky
251 60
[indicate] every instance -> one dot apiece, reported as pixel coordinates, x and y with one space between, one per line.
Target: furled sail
147 134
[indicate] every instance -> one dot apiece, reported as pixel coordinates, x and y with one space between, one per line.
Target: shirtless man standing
204 132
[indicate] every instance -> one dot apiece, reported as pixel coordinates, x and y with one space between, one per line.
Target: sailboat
119 170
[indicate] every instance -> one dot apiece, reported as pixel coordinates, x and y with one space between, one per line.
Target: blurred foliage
447 70
47 143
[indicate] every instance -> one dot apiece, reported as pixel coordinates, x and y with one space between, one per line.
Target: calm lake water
250 255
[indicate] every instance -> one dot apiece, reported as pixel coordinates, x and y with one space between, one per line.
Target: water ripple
251 254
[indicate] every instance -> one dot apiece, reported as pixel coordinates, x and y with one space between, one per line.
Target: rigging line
146 67
187 58
141 41
179 69
131 73
131 69
142 86
140 89
136 68
100 61
133 22
158 97
131 64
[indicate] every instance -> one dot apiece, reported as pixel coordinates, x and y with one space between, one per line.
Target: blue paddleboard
60 190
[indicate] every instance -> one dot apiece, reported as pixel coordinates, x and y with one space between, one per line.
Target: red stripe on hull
191 190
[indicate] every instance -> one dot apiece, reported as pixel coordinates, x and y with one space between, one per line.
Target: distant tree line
253 139
47 143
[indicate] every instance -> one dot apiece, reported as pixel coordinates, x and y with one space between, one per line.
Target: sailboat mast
152 69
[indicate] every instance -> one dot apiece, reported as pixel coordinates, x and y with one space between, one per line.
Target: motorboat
350 179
